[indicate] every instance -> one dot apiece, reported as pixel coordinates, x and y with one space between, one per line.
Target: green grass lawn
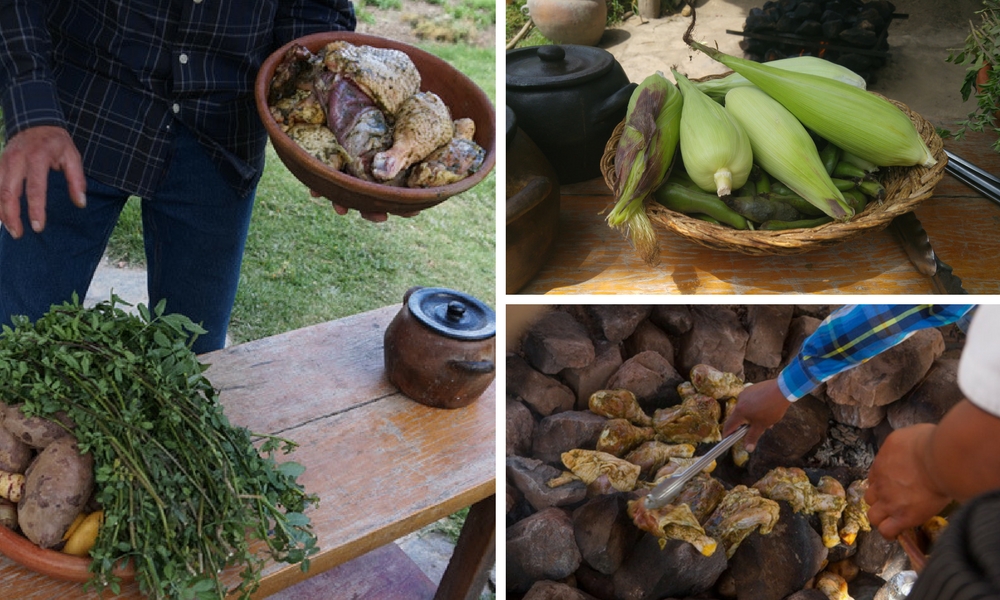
304 264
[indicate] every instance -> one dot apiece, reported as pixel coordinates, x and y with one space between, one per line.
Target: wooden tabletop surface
964 229
382 464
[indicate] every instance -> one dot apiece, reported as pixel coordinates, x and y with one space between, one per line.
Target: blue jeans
194 229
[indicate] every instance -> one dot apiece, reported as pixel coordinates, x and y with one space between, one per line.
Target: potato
14 454
36 432
56 490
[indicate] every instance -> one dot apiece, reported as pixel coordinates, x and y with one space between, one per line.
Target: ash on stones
844 446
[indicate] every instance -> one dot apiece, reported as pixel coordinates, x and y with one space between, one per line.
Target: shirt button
197 1
176 108
183 58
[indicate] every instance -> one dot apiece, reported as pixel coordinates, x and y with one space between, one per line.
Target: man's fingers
11 187
76 182
36 189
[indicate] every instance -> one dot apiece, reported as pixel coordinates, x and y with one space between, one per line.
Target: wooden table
964 228
382 464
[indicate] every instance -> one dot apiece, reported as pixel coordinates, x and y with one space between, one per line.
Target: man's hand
760 406
24 169
901 492
374 217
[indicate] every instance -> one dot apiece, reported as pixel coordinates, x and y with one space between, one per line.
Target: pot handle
536 188
614 103
479 367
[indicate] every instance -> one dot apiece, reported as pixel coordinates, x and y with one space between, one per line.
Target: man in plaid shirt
102 100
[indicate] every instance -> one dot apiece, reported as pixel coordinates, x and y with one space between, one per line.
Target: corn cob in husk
813 65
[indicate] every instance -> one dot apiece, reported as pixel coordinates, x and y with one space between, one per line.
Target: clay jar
440 348
570 21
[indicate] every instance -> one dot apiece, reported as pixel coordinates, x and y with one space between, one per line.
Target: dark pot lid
453 314
511 125
546 67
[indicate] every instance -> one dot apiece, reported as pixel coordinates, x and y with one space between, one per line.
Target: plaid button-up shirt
855 333
118 74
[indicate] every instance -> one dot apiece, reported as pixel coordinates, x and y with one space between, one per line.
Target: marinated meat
702 494
675 465
452 162
715 383
588 465
695 420
319 141
618 404
652 455
833 585
386 75
422 125
856 512
671 522
741 512
830 519
792 485
739 449
619 437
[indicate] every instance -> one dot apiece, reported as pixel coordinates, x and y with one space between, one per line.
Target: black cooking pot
568 99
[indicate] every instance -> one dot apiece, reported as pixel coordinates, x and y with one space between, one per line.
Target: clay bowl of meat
375 124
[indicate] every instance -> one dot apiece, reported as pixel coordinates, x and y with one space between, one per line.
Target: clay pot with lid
570 21
568 99
440 348
532 207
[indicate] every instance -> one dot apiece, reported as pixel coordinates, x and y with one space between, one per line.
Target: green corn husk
715 149
717 88
859 122
782 146
645 153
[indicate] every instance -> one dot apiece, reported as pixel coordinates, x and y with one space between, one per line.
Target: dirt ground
916 73
403 24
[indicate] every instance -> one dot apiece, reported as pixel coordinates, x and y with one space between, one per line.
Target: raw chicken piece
321 143
856 512
693 421
792 485
739 449
833 585
933 528
829 519
618 404
742 511
452 162
619 436
652 455
675 466
671 522
352 115
293 73
387 76
303 107
702 494
686 390
715 383
588 465
422 124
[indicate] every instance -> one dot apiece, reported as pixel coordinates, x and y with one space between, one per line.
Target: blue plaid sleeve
854 334
27 93
302 17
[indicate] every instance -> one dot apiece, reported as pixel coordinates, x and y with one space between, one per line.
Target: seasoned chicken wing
741 512
671 522
693 421
588 465
422 124
702 494
830 518
619 437
618 404
715 383
652 455
856 512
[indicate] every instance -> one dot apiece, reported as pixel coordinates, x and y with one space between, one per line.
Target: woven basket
905 188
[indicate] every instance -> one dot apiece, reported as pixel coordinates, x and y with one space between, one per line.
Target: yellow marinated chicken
676 465
452 162
856 512
715 383
386 75
422 124
833 586
686 390
934 527
652 455
830 519
702 494
792 485
741 511
671 522
618 404
319 141
619 437
588 465
693 421
739 449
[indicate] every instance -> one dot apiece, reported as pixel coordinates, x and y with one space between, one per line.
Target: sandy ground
916 73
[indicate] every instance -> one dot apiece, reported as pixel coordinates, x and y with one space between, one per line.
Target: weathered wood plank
590 258
382 464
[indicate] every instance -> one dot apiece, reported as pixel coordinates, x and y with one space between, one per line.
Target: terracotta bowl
459 93
52 563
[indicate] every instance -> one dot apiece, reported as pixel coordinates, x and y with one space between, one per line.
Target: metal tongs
668 489
986 184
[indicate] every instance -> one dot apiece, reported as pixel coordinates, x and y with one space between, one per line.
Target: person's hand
24 169
900 492
374 217
760 406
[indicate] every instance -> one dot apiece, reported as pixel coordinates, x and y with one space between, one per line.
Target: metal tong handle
668 489
976 178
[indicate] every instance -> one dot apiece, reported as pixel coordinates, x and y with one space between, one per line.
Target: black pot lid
546 67
453 314
511 125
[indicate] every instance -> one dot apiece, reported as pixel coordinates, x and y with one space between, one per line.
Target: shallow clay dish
463 97
50 562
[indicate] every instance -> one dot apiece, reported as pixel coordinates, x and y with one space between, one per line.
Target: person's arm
35 128
296 18
845 339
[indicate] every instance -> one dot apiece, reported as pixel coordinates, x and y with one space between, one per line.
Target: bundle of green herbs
184 492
